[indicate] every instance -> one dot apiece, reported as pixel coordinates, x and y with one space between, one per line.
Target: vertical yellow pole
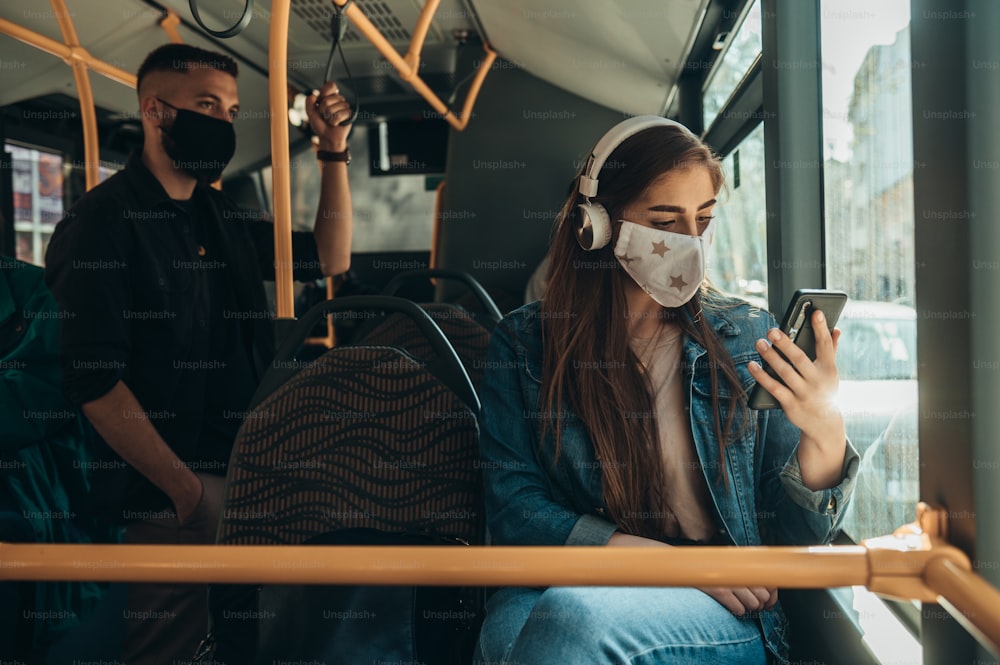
280 171
436 228
91 147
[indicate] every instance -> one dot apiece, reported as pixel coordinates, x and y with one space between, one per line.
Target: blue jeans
614 625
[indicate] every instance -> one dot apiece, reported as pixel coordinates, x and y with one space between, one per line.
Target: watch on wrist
330 156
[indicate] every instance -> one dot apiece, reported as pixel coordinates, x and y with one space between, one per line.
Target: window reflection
740 53
738 261
868 172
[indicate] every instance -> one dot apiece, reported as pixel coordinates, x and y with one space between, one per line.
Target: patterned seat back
469 338
365 437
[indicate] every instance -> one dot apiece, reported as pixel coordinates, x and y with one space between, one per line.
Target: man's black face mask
199 144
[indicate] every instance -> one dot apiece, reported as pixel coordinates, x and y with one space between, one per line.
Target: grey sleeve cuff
591 530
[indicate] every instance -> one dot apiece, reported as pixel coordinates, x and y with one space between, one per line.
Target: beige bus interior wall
508 174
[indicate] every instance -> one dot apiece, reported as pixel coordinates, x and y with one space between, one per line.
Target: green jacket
43 457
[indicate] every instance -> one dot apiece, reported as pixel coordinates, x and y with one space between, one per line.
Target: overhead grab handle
236 29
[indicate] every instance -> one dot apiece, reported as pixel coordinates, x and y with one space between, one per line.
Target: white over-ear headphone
593 229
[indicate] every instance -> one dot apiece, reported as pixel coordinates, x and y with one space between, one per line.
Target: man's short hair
183 58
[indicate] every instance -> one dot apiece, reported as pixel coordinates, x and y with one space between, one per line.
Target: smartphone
797 324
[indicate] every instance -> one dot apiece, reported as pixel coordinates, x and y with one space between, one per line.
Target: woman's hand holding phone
808 399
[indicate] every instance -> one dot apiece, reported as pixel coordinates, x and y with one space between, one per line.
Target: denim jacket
531 502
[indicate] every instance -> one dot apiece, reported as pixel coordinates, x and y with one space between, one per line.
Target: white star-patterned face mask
668 266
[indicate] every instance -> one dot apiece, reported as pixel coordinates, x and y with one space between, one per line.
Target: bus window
868 171
38 199
739 259
743 46
391 213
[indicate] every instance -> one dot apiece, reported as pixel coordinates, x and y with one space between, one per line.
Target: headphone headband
614 138
593 228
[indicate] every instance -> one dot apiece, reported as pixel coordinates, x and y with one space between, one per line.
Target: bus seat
366 437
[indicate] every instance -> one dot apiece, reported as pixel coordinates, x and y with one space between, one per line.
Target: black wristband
328 156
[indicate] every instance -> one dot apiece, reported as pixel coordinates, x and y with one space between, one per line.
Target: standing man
168 330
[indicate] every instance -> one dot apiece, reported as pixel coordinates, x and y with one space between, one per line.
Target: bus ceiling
625 56
121 33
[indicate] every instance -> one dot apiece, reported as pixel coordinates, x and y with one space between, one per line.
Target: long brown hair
588 364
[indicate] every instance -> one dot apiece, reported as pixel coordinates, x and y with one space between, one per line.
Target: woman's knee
568 608
537 625
619 625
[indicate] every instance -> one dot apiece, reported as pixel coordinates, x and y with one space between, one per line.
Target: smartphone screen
797 324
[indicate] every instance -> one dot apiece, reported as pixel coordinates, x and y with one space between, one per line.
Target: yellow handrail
408 66
412 57
169 24
913 563
436 228
788 567
68 54
81 76
969 598
277 81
